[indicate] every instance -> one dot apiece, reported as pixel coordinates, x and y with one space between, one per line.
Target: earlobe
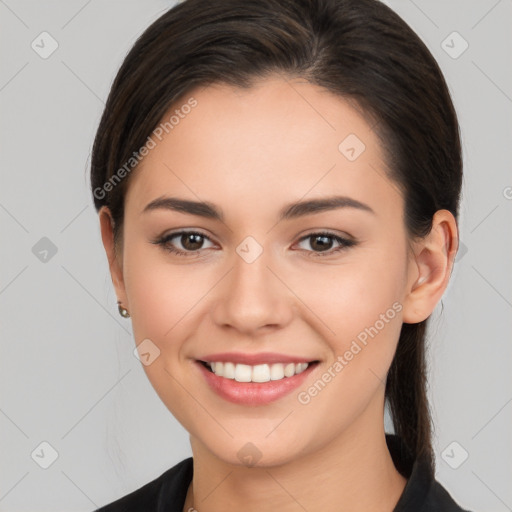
430 268
107 236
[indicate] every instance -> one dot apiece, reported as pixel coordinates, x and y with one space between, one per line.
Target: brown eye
321 243
190 243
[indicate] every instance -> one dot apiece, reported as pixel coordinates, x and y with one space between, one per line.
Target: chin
252 451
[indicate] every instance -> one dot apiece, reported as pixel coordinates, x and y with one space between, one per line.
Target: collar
418 473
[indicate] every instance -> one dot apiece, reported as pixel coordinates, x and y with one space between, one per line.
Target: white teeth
242 373
276 372
260 373
256 373
300 367
289 370
229 371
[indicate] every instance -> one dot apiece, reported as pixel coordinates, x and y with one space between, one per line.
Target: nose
253 299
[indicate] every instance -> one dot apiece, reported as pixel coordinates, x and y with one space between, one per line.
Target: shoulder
439 499
426 495
422 492
166 491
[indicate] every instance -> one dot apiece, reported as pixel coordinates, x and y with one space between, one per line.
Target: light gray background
68 373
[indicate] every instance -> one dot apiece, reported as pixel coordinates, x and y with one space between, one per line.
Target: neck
354 472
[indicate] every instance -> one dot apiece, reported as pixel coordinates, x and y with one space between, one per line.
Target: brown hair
360 50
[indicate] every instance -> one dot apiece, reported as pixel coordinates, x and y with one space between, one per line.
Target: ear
430 266
114 259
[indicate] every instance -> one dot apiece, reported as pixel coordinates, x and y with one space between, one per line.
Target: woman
278 187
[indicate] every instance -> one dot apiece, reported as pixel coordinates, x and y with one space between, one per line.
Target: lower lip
254 393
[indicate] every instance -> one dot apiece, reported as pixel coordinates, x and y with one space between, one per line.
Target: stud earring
122 311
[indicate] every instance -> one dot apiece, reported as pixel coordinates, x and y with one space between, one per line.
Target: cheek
361 304
357 308
163 298
352 294
161 293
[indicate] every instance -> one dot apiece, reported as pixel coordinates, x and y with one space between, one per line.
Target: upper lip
254 359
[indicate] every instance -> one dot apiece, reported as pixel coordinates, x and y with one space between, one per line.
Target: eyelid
172 234
327 232
345 241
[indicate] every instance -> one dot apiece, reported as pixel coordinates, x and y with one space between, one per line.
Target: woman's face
256 281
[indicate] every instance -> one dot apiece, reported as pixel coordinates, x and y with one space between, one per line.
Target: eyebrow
291 211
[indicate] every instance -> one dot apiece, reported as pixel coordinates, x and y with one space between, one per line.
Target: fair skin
251 152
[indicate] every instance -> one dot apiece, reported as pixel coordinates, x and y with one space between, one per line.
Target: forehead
277 138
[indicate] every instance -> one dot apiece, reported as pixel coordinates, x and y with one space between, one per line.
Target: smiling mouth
256 373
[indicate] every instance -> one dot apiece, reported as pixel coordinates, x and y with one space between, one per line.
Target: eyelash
345 243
